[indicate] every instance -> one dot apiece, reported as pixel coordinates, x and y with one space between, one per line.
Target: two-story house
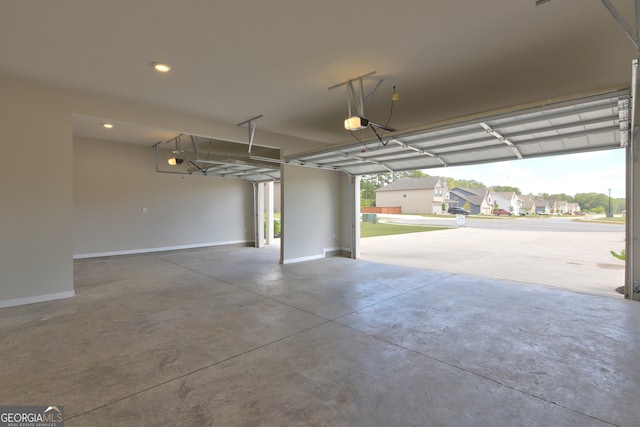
425 195
542 207
573 208
559 207
507 200
480 200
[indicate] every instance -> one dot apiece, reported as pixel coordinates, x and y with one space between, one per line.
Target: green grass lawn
368 229
614 220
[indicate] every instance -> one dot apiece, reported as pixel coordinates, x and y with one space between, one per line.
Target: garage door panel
596 122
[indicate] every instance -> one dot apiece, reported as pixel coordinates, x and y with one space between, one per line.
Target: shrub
622 255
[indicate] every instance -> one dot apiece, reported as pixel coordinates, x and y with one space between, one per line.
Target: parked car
457 211
501 212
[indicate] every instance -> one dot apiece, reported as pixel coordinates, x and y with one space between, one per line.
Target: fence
382 209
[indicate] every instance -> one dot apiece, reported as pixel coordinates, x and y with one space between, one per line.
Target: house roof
475 196
411 184
505 194
527 198
472 191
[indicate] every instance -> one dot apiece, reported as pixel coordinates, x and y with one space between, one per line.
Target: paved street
544 223
553 251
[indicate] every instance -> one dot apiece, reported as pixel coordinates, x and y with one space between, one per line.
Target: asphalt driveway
565 257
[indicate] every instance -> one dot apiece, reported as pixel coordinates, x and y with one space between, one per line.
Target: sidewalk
576 261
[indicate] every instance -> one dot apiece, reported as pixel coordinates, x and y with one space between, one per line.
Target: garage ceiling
233 59
277 59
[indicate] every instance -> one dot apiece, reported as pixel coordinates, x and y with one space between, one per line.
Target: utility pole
610 214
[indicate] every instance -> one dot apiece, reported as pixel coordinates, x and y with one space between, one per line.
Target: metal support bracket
194 145
252 128
353 95
633 36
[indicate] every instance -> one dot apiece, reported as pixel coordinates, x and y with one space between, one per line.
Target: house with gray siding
480 199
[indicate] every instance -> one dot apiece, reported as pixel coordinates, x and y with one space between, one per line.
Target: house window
438 192
404 194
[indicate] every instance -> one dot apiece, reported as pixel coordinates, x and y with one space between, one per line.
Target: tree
451 183
594 202
368 188
618 205
562 196
506 189
415 174
386 178
463 183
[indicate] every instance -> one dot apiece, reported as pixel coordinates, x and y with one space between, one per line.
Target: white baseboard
302 259
325 251
161 249
36 299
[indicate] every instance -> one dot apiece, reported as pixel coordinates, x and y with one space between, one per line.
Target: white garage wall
35 195
315 217
36 183
114 183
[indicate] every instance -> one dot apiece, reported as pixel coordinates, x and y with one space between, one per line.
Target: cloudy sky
596 171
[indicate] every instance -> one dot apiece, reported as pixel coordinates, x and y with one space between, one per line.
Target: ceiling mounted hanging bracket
350 81
194 145
355 96
252 128
178 142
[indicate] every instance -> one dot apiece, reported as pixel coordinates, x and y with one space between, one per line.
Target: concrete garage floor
578 261
228 337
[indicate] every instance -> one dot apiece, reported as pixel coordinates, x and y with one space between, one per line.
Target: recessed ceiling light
161 67
107 125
